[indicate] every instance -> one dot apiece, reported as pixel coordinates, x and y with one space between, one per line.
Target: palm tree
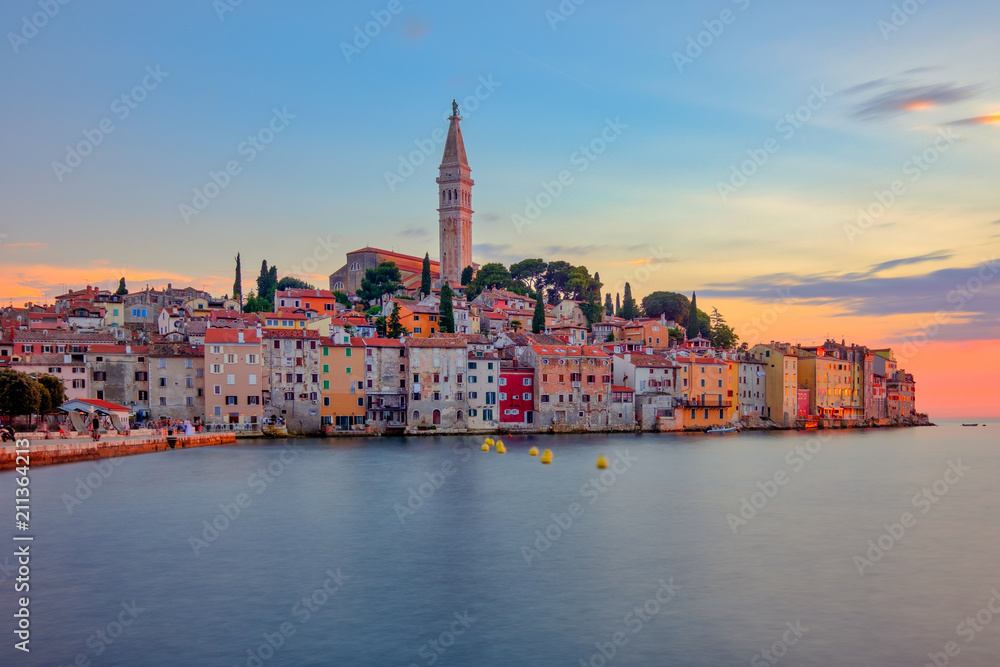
515 325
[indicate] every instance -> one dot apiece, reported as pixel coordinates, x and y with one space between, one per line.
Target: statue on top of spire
454 108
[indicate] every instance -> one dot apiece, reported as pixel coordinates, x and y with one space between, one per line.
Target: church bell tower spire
454 204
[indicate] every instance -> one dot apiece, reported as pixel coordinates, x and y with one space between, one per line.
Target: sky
812 170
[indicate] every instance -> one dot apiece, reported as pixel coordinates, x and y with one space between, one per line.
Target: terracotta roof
98 403
117 349
569 351
231 336
377 342
435 342
290 333
649 361
176 350
616 387
295 292
47 360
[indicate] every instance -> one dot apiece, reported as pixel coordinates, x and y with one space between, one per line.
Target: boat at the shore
727 429
970 424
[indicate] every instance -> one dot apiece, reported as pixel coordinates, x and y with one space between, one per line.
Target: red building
517 395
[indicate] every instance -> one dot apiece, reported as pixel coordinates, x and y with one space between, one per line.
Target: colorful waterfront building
234 380
385 382
342 383
782 381
438 368
517 396
653 381
706 392
573 386
291 360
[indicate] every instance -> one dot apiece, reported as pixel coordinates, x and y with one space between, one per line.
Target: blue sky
647 209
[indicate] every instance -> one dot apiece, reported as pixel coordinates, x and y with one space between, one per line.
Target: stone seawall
47 452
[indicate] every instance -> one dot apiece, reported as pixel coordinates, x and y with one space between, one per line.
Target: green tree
692 323
557 274
529 272
425 276
238 283
515 325
255 304
289 282
672 305
342 298
538 317
380 281
629 310
467 275
53 390
19 394
618 305
609 307
489 276
267 283
122 290
676 335
394 327
723 337
446 312
610 338
380 325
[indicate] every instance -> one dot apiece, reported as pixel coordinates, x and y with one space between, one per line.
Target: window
326 401
217 390
189 401
188 363
472 365
361 402
459 378
503 396
251 359
163 382
488 414
489 379
163 401
416 414
216 369
489 367
545 398
348 370
289 395
230 358
231 400
437 378
326 384
162 363
315 378
503 382
298 378
143 396
437 395
252 378
491 398
230 379
416 378
99 376
527 382
141 376
526 396
473 379
590 379
417 330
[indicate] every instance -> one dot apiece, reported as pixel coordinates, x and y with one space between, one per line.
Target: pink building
233 376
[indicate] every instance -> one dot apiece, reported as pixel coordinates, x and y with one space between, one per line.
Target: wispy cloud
901 96
415 233
37 244
570 250
907 261
991 119
970 295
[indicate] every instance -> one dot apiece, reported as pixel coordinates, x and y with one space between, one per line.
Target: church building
454 227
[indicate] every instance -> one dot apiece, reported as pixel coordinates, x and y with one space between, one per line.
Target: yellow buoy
533 451
499 443
488 442
501 449
547 456
602 462
485 447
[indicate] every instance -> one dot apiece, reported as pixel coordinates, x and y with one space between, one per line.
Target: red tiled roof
98 403
376 342
231 336
649 361
620 388
569 351
117 349
435 342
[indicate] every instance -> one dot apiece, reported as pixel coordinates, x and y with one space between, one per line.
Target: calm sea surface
428 551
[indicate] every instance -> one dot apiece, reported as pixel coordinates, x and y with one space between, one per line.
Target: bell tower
454 204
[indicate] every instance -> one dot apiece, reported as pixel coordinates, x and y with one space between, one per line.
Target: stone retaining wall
45 452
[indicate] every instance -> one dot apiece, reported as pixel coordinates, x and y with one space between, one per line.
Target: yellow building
706 391
342 384
828 380
782 381
284 320
420 321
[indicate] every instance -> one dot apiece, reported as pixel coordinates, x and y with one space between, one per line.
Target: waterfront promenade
66 450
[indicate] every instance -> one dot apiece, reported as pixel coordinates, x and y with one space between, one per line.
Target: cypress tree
692 328
609 308
618 305
238 284
466 275
122 290
538 317
394 326
446 313
629 310
425 276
